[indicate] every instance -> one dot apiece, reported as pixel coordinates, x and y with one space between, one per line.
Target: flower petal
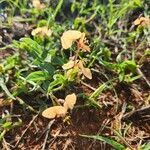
85 48
82 45
55 111
70 101
137 21
69 37
41 31
68 65
37 4
66 43
143 21
86 71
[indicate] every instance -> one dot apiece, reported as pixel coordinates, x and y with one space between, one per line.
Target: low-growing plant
69 47
6 125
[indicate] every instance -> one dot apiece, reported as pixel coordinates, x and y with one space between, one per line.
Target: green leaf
131 65
99 90
147 52
31 46
146 146
11 62
108 65
38 76
138 2
128 65
3 86
2 134
109 141
1 69
58 83
48 67
7 125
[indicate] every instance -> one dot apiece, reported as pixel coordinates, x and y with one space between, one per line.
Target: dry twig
24 132
143 76
47 132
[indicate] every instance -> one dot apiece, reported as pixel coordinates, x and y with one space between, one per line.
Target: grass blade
3 86
109 141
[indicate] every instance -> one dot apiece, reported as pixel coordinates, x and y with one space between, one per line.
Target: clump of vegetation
95 54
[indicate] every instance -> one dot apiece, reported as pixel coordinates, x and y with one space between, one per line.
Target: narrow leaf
37 76
3 86
109 141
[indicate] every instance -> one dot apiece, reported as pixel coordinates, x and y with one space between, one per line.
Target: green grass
36 63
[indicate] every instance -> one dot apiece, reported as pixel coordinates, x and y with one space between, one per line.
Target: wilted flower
60 111
71 36
142 21
78 65
81 43
42 31
86 71
55 111
70 101
37 4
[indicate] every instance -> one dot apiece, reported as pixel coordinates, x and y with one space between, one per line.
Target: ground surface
124 115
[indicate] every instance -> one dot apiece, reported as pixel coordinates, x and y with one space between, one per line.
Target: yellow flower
70 64
42 31
71 36
37 4
86 71
78 65
70 101
142 21
81 43
55 111
60 111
